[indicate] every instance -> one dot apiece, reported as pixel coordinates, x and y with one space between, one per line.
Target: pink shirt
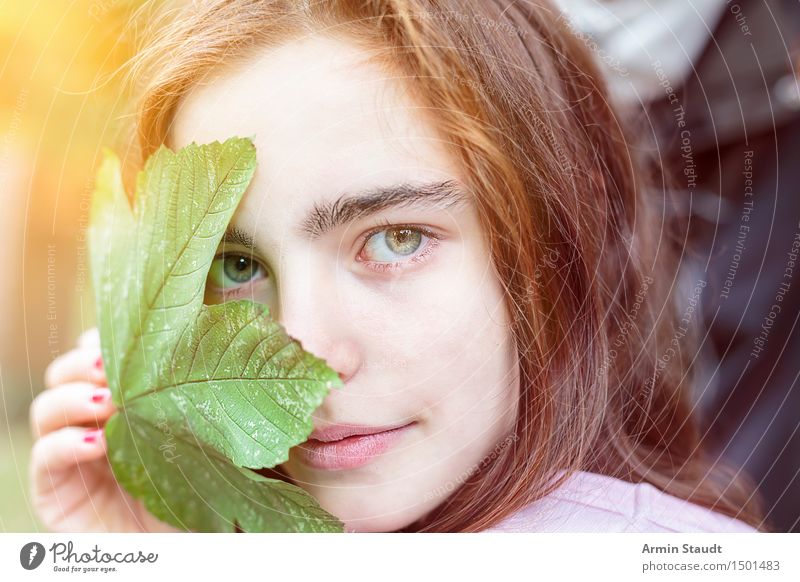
588 502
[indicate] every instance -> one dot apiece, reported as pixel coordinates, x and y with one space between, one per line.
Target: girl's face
358 234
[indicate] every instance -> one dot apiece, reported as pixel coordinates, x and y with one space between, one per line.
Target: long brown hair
563 196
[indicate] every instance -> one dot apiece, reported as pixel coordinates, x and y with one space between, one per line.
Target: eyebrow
326 216
234 235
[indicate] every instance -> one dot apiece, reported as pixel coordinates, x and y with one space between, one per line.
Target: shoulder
588 502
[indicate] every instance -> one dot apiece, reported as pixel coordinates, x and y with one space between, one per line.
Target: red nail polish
101 395
98 363
92 436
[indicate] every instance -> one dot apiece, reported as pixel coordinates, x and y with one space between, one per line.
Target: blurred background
59 104
711 89
711 86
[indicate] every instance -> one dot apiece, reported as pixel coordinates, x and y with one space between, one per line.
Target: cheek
443 335
475 401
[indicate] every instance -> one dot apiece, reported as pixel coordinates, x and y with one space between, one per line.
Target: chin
373 517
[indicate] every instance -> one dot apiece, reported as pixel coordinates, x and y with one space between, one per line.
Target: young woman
447 210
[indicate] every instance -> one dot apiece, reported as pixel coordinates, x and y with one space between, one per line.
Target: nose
310 311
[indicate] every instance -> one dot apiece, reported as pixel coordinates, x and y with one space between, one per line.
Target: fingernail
101 395
92 436
98 363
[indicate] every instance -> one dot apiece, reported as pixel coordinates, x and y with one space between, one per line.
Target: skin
423 341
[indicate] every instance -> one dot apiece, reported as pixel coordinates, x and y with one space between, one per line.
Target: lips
340 447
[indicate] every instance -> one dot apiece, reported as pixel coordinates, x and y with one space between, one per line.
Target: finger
89 339
70 404
78 365
63 449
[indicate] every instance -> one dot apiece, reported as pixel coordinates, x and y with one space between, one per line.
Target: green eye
233 270
389 244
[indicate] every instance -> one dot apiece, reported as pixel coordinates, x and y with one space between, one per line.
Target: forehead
321 112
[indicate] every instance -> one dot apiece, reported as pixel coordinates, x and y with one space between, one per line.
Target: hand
72 486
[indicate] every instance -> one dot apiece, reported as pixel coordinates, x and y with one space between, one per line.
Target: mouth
343 447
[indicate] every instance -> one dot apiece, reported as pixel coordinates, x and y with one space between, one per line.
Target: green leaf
205 394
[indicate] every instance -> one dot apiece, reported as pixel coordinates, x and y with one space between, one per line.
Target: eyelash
380 267
242 290
430 246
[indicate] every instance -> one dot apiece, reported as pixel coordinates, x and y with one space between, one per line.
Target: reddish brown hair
561 193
